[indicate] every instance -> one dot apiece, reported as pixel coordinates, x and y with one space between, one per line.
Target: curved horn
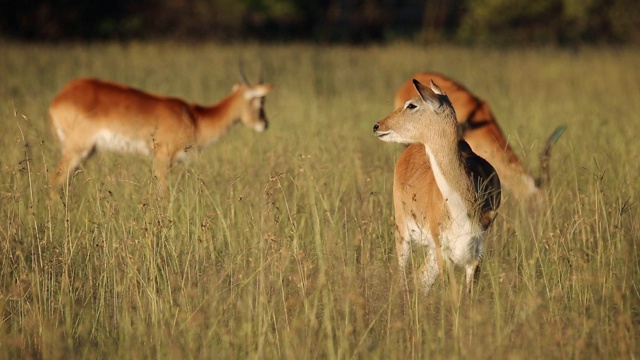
261 74
243 76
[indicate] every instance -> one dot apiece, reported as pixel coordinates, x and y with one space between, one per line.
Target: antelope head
425 117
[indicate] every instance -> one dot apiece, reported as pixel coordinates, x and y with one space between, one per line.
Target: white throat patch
462 235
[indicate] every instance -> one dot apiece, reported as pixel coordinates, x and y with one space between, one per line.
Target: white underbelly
462 245
111 141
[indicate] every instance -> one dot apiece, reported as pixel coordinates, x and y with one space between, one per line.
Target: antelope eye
411 106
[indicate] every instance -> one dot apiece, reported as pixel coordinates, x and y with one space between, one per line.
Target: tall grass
280 245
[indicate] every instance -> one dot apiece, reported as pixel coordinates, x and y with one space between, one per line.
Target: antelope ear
428 96
436 89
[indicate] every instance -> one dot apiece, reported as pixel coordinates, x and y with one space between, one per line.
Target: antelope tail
543 181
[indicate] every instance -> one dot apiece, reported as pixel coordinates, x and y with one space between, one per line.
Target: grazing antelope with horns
445 200
91 114
480 129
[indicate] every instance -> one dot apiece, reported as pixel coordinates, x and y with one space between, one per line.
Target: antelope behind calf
479 128
445 200
90 115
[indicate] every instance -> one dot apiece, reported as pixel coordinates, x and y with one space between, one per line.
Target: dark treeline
351 21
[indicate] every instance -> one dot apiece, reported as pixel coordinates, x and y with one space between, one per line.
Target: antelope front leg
470 271
161 166
429 270
403 251
69 161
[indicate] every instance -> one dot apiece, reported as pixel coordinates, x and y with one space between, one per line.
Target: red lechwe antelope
90 114
444 195
480 129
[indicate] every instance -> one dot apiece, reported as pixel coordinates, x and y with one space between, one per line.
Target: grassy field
280 245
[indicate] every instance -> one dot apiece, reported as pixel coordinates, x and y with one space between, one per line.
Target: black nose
375 127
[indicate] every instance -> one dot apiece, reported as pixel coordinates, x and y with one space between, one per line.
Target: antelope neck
214 121
453 182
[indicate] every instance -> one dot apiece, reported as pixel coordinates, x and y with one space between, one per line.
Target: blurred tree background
349 21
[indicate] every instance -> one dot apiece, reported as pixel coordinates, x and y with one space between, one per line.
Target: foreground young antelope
480 129
445 200
91 114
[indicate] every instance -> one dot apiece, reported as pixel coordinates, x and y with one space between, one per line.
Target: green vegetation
364 21
280 245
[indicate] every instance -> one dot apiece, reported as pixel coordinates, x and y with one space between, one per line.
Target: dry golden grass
280 245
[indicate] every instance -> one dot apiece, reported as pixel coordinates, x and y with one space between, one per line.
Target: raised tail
543 181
